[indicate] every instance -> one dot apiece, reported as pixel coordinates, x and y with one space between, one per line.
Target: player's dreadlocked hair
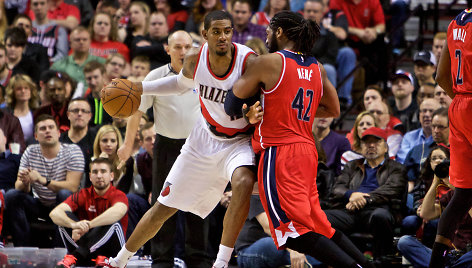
297 29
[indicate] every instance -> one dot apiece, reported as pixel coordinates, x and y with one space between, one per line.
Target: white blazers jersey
213 89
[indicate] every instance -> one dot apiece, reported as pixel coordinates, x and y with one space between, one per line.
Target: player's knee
160 212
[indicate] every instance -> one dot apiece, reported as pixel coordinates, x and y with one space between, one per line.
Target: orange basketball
120 99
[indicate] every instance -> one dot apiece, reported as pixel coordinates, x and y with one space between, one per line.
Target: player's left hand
255 112
297 260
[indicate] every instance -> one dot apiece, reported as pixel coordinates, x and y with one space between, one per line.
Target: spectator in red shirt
87 218
366 34
65 15
104 37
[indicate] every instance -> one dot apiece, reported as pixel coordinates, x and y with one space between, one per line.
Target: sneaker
67 262
104 262
99 260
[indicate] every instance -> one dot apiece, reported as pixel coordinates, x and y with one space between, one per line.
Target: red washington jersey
460 51
290 106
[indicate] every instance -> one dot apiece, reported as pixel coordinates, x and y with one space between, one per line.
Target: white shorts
204 167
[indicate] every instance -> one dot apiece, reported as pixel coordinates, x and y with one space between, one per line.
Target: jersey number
298 104
459 79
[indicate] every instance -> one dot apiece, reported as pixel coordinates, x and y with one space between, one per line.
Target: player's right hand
255 112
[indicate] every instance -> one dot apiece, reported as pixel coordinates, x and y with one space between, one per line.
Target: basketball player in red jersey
455 77
294 89
219 146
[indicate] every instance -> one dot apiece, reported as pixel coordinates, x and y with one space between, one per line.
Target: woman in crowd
22 99
139 22
363 121
105 37
272 8
412 223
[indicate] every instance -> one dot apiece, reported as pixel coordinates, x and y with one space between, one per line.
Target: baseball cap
402 74
425 56
376 132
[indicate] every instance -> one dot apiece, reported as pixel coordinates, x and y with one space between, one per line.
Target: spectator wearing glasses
79 114
381 112
422 134
440 132
96 77
74 64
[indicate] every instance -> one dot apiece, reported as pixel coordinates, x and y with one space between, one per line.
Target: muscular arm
443 75
110 216
173 85
71 183
248 84
329 104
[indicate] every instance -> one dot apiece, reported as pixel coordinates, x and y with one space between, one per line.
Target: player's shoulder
464 17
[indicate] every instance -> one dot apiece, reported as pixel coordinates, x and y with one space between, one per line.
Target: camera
442 169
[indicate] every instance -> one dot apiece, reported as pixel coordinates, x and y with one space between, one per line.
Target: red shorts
287 187
460 139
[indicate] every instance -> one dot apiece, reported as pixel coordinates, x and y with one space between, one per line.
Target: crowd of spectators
59 148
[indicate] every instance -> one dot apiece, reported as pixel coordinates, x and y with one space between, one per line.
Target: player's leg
242 183
147 228
460 141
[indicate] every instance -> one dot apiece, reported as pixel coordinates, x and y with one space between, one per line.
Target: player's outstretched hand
136 86
254 113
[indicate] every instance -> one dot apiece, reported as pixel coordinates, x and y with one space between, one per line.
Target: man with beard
93 221
363 190
218 149
334 144
79 115
295 88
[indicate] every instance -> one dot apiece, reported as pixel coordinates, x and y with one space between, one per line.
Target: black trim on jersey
230 67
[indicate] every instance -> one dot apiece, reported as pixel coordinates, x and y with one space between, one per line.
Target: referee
174 118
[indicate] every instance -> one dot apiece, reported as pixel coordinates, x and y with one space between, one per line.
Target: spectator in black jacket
364 190
15 43
154 43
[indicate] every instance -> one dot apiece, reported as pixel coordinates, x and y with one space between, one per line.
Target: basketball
120 99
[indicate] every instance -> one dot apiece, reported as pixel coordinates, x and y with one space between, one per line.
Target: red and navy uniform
459 43
87 204
287 170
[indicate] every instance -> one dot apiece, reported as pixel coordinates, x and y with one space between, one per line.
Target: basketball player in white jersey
218 149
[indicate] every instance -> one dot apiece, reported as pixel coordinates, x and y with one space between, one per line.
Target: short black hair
216 15
110 3
17 36
21 15
243 2
302 32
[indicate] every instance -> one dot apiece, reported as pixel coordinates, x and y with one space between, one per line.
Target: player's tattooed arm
190 61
